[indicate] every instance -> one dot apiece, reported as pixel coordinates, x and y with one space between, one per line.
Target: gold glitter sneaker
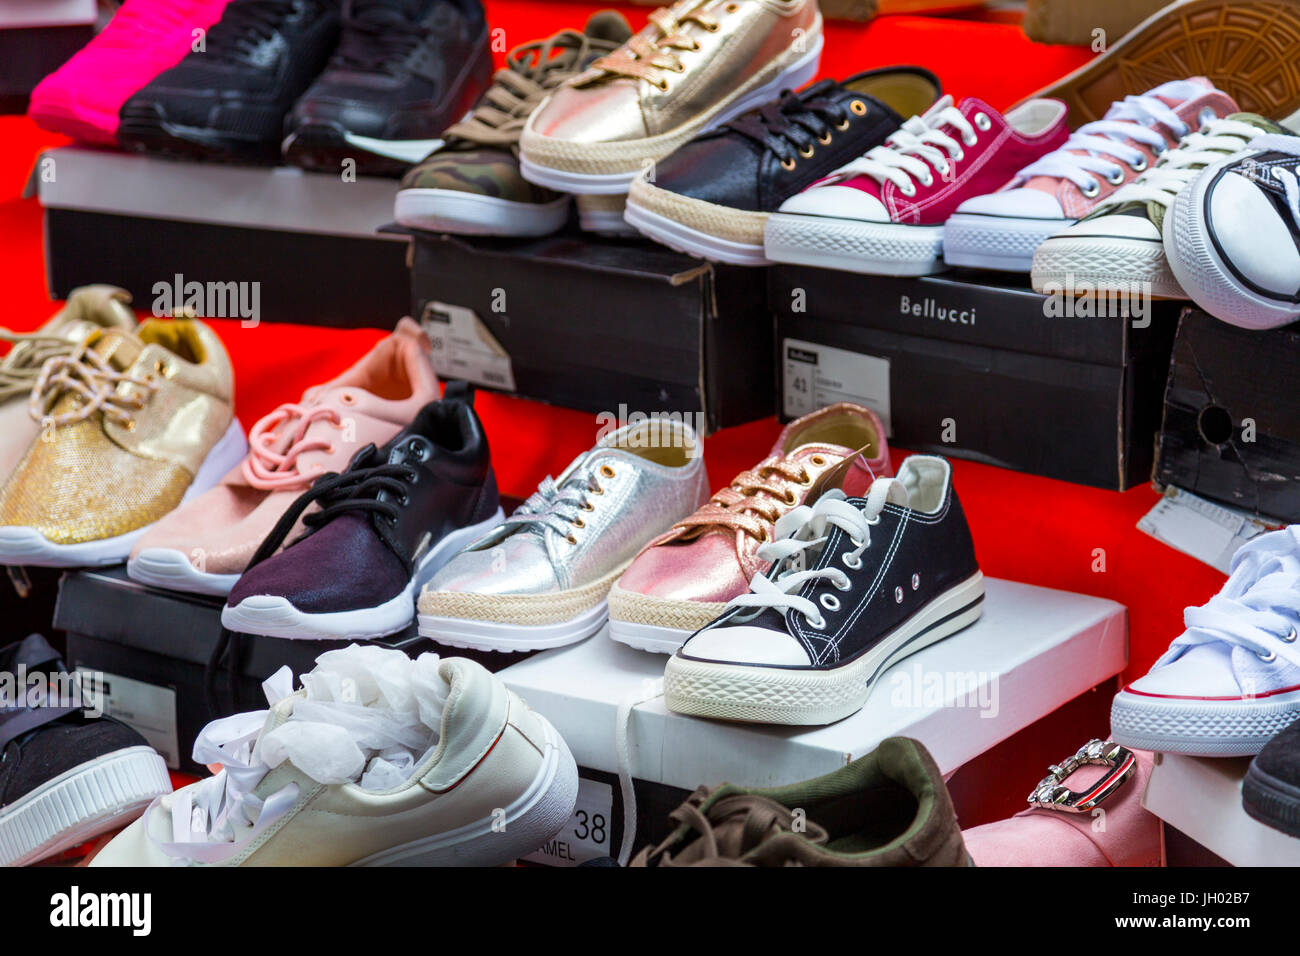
696 65
131 424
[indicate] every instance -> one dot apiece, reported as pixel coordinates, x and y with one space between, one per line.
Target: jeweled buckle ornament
1052 793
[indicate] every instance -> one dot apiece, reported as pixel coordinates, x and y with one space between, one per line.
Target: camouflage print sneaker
472 185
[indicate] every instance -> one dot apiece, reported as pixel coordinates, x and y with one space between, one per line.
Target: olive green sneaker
471 184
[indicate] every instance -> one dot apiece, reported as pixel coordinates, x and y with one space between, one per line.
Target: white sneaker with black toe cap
856 585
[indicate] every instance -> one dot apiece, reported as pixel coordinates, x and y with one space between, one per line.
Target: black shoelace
377 36
244 25
794 122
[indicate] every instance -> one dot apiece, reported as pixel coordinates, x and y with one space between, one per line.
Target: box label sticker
1208 532
814 376
586 836
464 348
146 708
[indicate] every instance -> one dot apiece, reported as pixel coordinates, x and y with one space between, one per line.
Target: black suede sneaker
383 528
1271 790
856 584
228 100
405 70
66 774
711 198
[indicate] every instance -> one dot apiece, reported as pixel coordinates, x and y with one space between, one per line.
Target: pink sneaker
204 546
884 214
1001 230
684 578
81 98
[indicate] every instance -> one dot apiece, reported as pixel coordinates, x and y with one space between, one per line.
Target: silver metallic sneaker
542 577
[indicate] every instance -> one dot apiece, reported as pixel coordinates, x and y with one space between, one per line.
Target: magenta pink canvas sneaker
1002 229
684 578
205 545
81 99
884 213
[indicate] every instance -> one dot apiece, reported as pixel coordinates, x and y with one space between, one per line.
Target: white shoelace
915 152
799 537
1290 145
1179 166
1108 142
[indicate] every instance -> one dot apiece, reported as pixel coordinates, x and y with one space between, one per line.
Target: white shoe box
1201 798
1031 651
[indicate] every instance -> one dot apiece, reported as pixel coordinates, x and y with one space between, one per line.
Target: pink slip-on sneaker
204 546
1001 230
884 213
684 578
81 99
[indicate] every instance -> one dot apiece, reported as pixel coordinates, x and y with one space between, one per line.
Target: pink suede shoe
682 579
204 546
1087 812
81 99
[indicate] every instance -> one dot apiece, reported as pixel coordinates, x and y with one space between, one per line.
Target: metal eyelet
817 460
1117 177
858 107
842 126
572 539
972 141
347 398
809 154
898 595
588 506
928 181
403 500
1268 658
1140 165
908 190
825 141
958 156
1091 190
982 121
847 585
819 624
662 86
731 7
916 581
607 471
578 523
790 497
712 27
787 164
1290 636
331 450
830 602
944 169
850 562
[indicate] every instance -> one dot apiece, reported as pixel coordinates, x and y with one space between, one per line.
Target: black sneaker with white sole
405 70
66 774
856 585
1271 791
381 530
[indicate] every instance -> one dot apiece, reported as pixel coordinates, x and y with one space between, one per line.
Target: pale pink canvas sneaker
1002 229
204 546
684 578
81 99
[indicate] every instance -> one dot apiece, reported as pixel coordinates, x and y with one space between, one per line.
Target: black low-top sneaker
1271 790
67 773
711 197
382 529
405 70
856 585
228 99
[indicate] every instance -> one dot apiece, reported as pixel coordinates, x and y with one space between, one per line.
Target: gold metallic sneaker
131 424
87 309
696 65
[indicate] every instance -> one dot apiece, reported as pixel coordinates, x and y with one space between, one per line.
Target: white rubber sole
470 214
1201 271
654 638
98 796
854 245
531 820
1104 264
513 638
693 242
804 696
27 546
270 615
995 242
792 77
172 571
1200 728
604 222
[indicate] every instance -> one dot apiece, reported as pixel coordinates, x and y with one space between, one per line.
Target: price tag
464 348
587 834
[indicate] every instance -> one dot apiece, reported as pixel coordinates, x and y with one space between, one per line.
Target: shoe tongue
1267 125
1177 92
117 347
886 491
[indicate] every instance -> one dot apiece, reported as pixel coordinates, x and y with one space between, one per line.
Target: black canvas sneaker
228 100
1271 791
405 70
711 197
382 529
66 775
856 585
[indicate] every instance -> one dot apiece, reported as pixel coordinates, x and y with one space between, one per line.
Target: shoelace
1290 145
800 536
558 506
752 503
20 368
243 27
1179 166
1107 143
531 71
912 154
87 374
648 55
269 470
792 125
377 36
730 828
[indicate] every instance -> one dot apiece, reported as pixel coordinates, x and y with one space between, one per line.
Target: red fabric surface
1026 528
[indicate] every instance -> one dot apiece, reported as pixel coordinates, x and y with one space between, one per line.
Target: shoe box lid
598 324
1231 429
18 14
1031 651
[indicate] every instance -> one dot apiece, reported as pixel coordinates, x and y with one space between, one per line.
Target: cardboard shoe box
1231 430
600 325
980 366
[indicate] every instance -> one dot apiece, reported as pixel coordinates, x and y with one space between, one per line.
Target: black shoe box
600 325
978 365
30 53
1231 430
151 650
